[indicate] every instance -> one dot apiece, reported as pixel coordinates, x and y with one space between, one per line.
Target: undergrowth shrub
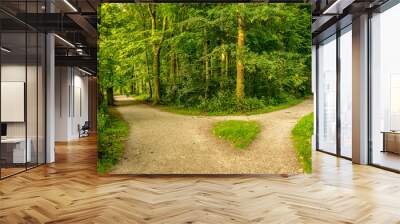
112 133
301 135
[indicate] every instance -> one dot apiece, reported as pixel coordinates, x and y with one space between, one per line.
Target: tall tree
240 54
157 40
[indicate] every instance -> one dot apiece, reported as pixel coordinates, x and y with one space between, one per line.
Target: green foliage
301 135
142 98
220 106
239 133
277 54
112 133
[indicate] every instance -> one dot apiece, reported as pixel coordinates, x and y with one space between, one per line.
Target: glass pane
14 154
386 89
41 99
23 90
327 95
346 92
32 98
32 89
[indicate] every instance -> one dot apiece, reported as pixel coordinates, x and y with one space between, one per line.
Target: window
327 95
385 89
346 92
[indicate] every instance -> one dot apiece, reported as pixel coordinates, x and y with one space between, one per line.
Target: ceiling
73 21
330 15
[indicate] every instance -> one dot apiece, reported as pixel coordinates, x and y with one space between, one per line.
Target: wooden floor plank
70 191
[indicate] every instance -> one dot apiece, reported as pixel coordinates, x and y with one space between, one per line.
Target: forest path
166 143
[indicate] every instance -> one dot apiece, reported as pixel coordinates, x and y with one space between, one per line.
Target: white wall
62 82
33 127
9 73
16 73
80 110
71 102
13 72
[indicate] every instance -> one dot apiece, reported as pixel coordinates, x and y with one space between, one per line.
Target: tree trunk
226 64
211 66
173 67
178 74
133 84
239 60
156 51
156 56
110 96
149 88
100 97
142 85
156 76
148 78
172 74
206 66
223 62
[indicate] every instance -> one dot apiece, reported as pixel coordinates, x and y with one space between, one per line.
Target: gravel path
166 143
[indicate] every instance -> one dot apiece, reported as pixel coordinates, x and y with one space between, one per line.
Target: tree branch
165 22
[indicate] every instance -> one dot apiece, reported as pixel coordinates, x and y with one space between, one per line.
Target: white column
50 94
360 90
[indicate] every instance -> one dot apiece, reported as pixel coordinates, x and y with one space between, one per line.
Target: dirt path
167 143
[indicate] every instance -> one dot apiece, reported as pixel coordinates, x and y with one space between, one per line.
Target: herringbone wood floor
70 191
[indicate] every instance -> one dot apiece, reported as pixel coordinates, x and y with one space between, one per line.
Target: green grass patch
141 98
112 133
235 111
301 135
239 133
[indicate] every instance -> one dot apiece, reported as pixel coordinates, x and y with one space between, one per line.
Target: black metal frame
44 80
369 90
0 86
202 1
316 97
338 98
